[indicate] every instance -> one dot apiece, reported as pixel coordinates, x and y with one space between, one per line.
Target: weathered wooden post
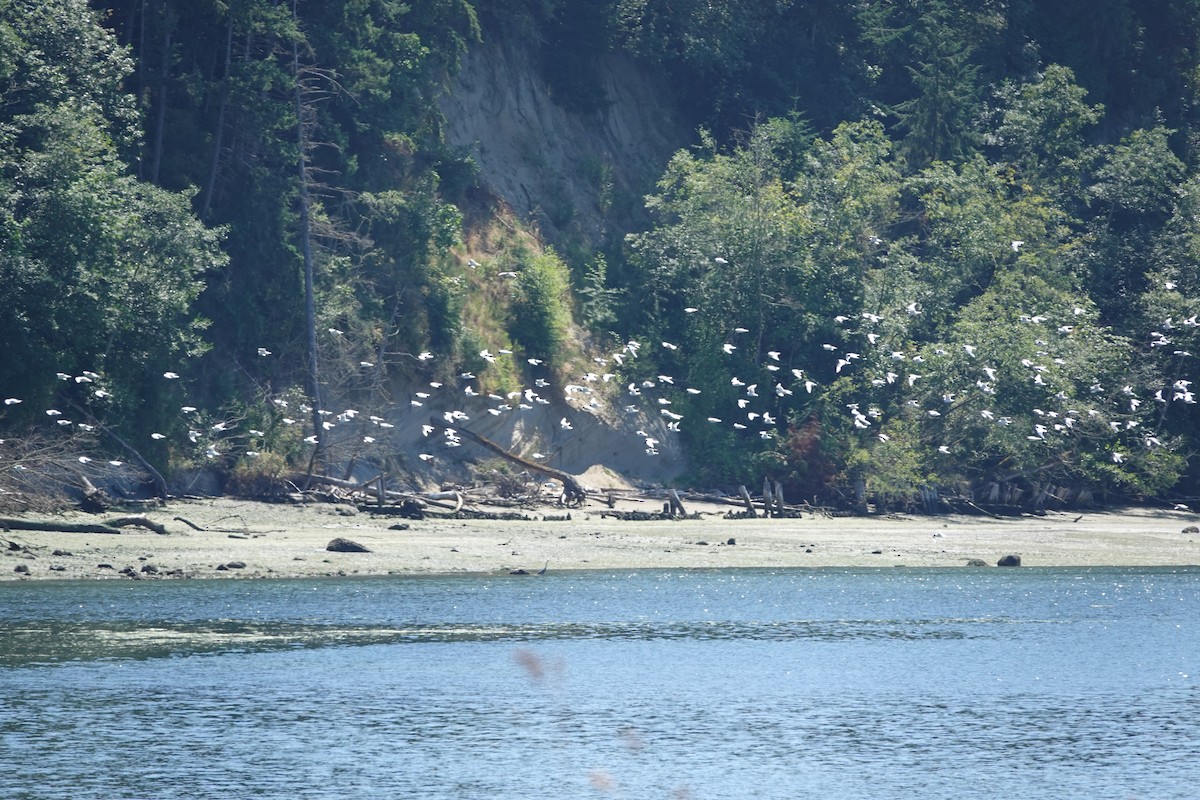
779 498
746 499
676 504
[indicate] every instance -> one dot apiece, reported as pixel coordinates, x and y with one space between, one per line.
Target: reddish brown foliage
810 469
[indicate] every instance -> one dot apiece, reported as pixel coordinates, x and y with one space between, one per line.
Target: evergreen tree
100 270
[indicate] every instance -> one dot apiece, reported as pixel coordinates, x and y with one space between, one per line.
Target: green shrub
259 476
540 313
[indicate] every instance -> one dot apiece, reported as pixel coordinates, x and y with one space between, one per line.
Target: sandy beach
256 540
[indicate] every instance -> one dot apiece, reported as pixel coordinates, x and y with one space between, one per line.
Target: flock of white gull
761 401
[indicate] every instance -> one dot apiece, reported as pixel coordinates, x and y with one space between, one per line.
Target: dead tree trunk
160 484
573 493
164 79
303 118
214 166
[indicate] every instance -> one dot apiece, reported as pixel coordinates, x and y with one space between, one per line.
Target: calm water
902 683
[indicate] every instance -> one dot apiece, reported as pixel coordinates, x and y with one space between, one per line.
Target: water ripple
43 643
840 685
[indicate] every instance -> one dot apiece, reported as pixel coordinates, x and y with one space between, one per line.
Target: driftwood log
204 529
140 522
415 506
11 524
438 499
107 526
573 493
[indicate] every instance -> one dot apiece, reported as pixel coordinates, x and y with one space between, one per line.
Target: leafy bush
540 313
259 476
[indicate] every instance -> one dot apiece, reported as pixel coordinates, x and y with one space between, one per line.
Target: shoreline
248 539
257 540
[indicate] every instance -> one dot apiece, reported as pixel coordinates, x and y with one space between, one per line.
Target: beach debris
136 521
646 516
573 493
205 529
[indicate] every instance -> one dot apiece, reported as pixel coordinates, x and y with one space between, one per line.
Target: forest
909 248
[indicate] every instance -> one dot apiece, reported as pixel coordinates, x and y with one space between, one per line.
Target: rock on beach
341 545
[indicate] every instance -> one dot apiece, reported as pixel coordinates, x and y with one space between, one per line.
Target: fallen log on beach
113 525
436 498
11 524
416 506
646 516
140 522
423 500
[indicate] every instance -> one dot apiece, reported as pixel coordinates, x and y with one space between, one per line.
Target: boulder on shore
340 545
1009 561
